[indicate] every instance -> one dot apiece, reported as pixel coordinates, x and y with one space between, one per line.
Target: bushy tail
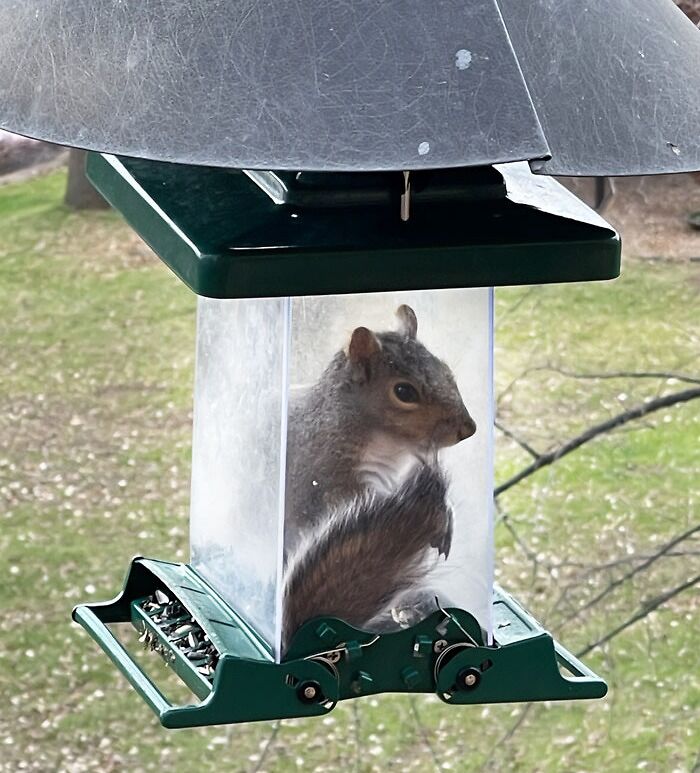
368 554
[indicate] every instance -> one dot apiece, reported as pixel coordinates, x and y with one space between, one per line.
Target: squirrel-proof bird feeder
343 185
342 479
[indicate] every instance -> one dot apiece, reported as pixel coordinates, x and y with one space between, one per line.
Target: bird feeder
341 529
343 186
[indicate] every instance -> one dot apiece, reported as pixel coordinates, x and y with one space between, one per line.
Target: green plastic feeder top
232 234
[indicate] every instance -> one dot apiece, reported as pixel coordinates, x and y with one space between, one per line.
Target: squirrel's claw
444 542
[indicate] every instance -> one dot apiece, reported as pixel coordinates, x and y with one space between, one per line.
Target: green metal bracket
445 653
225 238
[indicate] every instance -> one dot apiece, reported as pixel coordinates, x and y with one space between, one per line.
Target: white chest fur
386 463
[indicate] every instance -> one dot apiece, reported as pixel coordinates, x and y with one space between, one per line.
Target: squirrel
384 405
366 498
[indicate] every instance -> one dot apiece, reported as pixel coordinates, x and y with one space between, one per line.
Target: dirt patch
20 157
651 213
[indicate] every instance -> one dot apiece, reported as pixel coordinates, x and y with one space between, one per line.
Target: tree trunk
80 193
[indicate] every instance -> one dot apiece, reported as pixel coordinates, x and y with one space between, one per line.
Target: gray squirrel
366 498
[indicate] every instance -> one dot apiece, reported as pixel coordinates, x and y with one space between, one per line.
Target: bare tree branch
632 572
424 734
503 314
543 460
501 395
647 609
522 443
606 566
599 429
268 745
505 519
618 374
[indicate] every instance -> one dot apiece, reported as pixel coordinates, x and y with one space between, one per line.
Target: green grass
96 346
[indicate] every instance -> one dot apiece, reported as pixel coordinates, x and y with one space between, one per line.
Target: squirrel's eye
406 392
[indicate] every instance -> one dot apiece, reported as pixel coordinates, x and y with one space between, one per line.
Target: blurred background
602 545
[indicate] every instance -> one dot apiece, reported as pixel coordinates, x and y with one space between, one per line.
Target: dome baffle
594 88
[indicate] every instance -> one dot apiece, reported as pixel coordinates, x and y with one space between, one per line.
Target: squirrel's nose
467 428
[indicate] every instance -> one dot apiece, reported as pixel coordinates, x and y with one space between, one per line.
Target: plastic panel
252 363
238 460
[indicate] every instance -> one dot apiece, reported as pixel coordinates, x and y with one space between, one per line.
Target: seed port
485 665
290 680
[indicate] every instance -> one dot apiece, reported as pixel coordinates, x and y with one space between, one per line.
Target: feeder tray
231 669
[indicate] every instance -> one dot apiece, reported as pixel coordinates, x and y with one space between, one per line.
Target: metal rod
406 197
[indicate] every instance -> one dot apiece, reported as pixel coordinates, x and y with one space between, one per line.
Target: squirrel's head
403 389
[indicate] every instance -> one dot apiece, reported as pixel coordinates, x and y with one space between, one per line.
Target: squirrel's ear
408 323
363 344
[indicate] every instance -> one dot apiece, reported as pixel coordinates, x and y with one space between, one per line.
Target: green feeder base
231 669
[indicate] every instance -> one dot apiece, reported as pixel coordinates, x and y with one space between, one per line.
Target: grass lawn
96 355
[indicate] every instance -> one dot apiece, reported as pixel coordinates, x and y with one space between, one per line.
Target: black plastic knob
310 692
468 679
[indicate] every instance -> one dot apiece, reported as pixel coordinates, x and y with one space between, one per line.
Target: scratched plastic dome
574 87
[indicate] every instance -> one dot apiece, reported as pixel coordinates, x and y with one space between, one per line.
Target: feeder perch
329 660
344 211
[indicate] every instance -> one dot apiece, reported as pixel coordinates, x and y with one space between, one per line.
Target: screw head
468 678
439 646
310 692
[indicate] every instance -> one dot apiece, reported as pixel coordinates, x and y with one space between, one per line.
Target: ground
651 213
97 341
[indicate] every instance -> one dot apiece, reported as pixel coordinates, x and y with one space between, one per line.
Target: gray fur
367 555
330 427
